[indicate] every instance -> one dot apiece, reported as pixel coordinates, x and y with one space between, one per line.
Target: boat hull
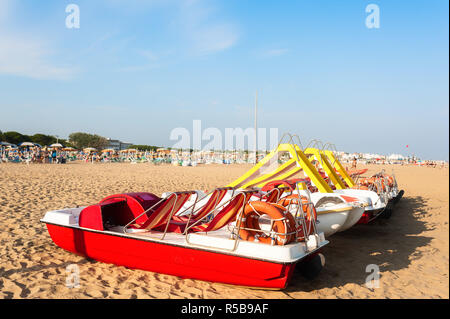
353 217
170 259
373 210
370 215
331 223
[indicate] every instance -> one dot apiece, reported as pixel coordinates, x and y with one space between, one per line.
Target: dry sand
411 248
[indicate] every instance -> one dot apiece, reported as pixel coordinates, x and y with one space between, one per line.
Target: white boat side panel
67 217
218 241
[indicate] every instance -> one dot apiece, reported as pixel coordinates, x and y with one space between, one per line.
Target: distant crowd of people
36 154
408 161
33 155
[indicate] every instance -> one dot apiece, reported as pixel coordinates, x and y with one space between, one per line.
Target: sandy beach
411 248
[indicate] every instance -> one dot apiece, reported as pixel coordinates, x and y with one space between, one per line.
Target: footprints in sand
414 241
14 289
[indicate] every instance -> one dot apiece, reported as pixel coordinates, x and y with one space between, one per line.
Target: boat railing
308 205
297 207
385 189
356 178
381 186
395 182
169 216
271 233
277 197
145 212
295 142
215 206
239 215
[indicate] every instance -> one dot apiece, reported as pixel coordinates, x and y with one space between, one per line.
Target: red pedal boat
186 237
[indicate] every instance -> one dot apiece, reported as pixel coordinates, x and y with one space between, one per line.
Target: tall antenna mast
256 127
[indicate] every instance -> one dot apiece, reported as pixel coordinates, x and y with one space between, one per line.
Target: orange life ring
377 184
363 182
309 210
381 181
284 223
274 184
389 179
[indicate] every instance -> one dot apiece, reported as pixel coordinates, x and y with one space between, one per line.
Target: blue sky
137 69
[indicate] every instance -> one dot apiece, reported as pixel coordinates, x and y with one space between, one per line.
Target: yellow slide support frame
253 177
278 173
328 168
350 182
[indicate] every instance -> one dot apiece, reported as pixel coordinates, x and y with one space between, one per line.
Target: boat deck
219 241
222 241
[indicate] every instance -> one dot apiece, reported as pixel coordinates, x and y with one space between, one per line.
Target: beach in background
411 249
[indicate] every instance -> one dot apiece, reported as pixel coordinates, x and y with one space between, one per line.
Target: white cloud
198 23
206 33
4 9
137 68
25 56
275 52
135 5
151 60
213 38
149 55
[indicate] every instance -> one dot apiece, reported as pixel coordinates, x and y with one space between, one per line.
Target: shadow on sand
36 268
389 243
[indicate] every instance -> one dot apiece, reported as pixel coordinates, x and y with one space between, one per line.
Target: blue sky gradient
137 69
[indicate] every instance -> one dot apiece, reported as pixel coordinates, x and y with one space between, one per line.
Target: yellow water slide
262 173
339 167
327 167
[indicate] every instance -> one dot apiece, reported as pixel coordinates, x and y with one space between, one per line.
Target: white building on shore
118 145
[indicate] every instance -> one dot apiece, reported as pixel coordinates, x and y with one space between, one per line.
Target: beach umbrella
56 145
4 143
89 149
132 150
26 144
69 149
38 145
108 150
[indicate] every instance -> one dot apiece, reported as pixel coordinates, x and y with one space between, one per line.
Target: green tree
43 139
82 140
15 137
66 142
